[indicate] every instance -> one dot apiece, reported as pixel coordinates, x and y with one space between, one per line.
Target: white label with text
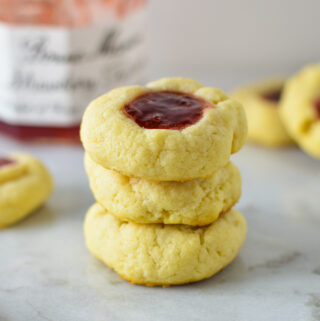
48 75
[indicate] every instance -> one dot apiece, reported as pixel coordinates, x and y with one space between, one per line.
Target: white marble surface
46 273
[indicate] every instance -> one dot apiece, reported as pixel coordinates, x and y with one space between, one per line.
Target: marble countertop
46 273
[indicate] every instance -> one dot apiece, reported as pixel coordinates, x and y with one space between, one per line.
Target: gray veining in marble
47 274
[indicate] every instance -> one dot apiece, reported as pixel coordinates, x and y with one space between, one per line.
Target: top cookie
173 129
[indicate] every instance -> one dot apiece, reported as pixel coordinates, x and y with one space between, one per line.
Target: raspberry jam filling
316 106
6 162
165 110
273 96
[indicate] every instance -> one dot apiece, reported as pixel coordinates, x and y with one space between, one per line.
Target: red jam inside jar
6 162
30 133
273 96
165 110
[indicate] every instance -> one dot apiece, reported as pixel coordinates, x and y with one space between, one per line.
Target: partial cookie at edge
23 187
297 111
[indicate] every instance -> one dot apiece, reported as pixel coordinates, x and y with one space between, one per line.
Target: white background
197 37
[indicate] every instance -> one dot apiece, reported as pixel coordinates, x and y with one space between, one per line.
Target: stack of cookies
157 158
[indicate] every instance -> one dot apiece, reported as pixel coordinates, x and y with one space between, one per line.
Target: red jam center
273 96
316 106
6 162
165 110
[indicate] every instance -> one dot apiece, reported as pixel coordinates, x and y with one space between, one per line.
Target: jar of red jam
57 55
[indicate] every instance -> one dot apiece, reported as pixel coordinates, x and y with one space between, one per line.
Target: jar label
49 75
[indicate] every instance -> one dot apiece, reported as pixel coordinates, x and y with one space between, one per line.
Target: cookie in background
261 103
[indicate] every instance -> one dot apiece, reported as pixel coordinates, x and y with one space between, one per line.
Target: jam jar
57 55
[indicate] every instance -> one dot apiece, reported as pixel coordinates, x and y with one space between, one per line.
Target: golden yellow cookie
119 133
24 185
157 254
300 109
261 103
195 202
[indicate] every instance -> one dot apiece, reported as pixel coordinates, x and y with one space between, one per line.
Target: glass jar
57 55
